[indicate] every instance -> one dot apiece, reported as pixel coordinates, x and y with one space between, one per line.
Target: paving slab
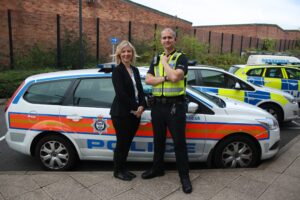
49 178
229 194
219 176
63 189
289 183
159 187
110 187
179 195
131 195
248 186
261 175
15 185
294 169
205 188
38 194
1 197
88 180
277 193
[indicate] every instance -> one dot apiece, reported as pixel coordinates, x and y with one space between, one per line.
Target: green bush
222 60
36 58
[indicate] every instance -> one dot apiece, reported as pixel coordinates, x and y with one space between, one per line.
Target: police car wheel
273 110
236 152
55 153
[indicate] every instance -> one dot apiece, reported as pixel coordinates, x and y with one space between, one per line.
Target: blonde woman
127 107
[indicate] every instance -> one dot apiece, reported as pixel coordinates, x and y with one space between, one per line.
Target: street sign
114 40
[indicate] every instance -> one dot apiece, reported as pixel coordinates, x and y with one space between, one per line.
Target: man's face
167 40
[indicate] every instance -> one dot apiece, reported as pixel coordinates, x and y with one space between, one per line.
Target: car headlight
269 122
291 99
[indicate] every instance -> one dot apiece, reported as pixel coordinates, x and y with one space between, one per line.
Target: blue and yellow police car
281 105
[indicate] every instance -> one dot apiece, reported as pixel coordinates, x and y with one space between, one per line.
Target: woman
127 107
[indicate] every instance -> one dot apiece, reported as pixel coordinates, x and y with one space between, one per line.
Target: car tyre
56 153
236 152
273 110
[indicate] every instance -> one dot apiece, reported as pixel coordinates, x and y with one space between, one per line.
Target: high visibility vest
168 88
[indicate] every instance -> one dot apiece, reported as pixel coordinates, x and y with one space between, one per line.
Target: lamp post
80 36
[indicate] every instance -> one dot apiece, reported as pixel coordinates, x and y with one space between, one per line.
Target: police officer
167 74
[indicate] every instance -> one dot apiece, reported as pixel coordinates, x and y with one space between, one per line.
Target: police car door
293 81
86 120
273 77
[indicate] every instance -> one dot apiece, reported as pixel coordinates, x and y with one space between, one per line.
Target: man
167 75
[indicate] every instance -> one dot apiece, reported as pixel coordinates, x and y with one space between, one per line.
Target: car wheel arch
212 153
50 133
274 104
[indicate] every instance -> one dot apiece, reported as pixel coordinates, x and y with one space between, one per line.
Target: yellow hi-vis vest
168 88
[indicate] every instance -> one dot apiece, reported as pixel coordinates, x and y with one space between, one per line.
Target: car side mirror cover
192 107
237 86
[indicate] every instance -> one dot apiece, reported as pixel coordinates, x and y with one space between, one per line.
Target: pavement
278 178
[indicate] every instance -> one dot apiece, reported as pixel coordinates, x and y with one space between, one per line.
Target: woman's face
126 55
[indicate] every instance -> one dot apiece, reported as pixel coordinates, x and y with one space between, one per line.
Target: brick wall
34 22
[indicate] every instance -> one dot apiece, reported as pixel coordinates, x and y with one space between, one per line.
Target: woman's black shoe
123 176
186 184
151 174
132 175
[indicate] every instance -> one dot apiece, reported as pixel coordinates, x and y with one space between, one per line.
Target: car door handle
144 121
267 81
74 118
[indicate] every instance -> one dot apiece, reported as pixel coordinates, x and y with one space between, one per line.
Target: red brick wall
34 22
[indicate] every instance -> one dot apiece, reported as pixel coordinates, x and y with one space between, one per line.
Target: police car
281 105
281 77
62 117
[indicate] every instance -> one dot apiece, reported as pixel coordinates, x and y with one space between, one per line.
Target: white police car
61 117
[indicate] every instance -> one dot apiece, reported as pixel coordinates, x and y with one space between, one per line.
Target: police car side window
293 73
51 92
273 73
255 72
212 78
94 92
191 79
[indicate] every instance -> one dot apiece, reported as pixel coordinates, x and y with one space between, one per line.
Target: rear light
13 96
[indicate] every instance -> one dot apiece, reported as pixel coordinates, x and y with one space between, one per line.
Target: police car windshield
212 98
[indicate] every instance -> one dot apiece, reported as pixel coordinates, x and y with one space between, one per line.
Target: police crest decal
100 125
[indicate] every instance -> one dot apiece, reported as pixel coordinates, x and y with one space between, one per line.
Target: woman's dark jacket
125 101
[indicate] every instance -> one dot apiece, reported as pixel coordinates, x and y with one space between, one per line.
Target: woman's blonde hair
119 48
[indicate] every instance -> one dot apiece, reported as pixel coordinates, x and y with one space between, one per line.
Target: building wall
253 30
35 23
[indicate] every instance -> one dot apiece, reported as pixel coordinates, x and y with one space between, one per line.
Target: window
48 92
191 79
212 78
94 92
273 73
255 72
293 73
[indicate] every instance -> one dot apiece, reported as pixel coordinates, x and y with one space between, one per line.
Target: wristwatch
165 78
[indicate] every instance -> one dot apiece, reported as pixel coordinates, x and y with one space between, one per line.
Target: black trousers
126 128
162 118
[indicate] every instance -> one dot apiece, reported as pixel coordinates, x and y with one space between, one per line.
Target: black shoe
132 175
186 184
122 175
152 173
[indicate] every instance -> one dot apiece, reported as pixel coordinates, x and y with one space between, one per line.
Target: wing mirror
192 107
237 86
